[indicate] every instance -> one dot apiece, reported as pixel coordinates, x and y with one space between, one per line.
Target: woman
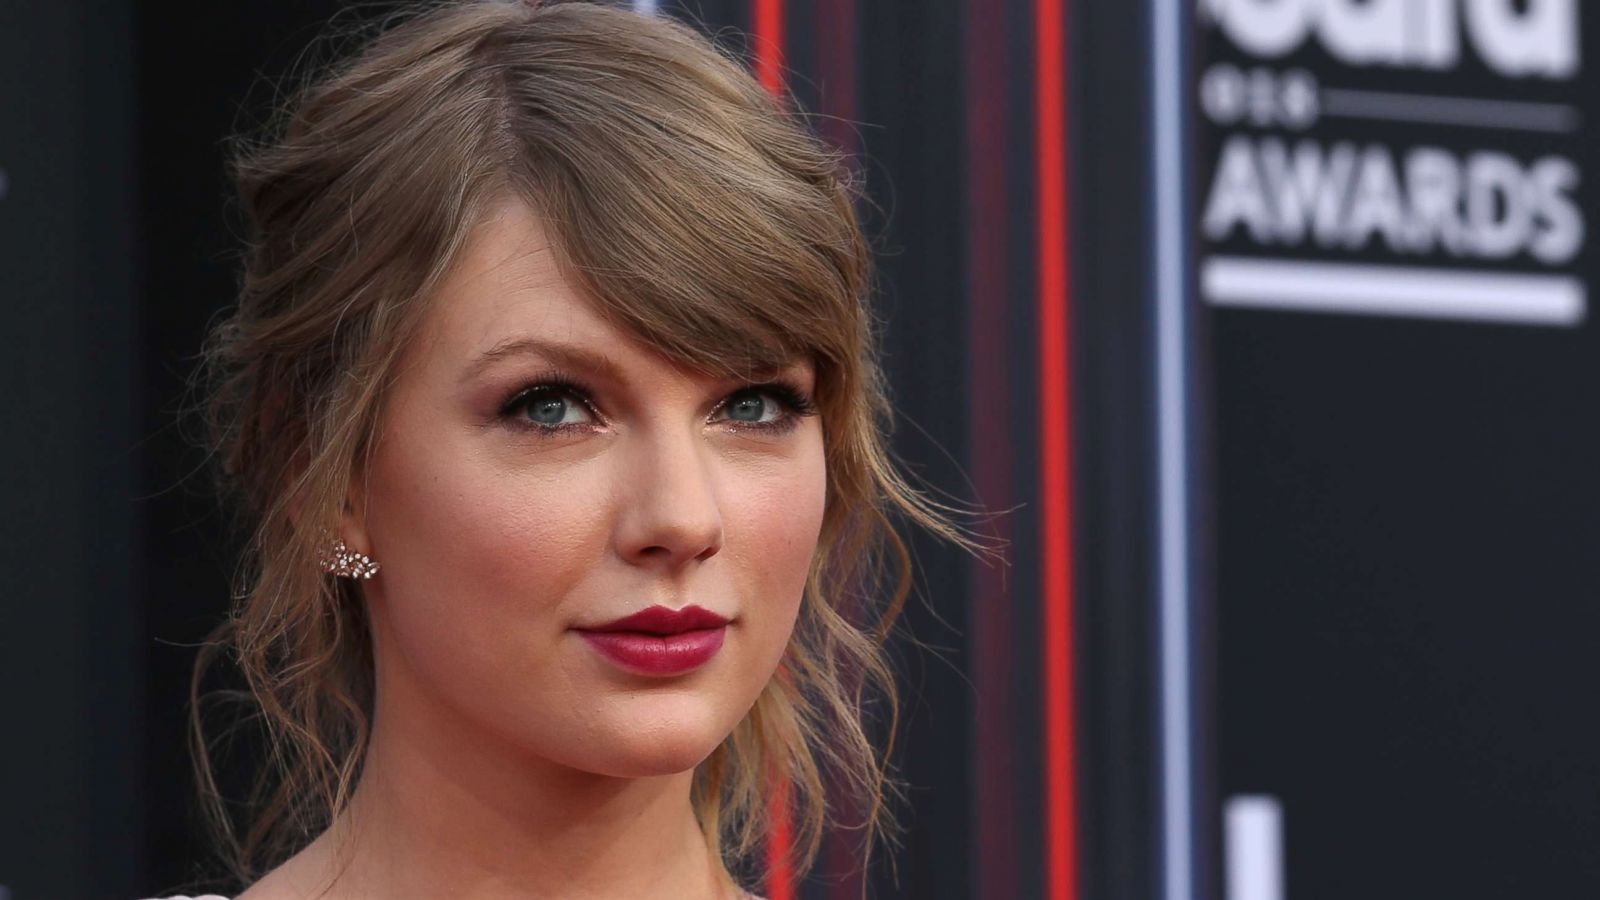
551 398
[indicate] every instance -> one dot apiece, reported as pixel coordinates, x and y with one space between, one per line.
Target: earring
343 561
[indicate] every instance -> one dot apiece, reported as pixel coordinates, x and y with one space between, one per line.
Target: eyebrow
564 355
582 359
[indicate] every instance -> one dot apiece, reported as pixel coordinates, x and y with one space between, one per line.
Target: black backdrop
1390 525
1407 505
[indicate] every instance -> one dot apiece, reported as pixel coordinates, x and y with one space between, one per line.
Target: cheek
480 564
482 540
771 537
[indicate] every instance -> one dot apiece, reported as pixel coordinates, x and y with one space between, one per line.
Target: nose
670 515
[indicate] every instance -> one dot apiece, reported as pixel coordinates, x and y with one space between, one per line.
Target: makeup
660 641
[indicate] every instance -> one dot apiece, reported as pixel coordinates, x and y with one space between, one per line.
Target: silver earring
343 561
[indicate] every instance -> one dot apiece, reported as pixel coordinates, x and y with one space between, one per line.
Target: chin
658 743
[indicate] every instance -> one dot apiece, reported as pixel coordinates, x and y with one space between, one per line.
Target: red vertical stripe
766 34
780 880
766 27
1055 449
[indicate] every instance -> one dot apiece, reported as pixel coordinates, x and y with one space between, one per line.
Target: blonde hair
697 212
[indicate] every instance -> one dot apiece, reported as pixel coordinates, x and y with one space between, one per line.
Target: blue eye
547 410
751 407
554 406
549 406
775 407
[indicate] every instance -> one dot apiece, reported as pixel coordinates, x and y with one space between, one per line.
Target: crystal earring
343 561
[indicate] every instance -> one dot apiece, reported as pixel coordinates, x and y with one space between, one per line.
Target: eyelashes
793 405
555 404
529 407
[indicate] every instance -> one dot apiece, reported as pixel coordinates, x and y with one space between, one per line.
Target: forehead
507 281
507 284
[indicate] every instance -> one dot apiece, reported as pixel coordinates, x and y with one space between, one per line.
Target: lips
660 641
659 620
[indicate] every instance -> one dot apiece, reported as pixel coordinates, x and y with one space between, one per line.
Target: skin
509 759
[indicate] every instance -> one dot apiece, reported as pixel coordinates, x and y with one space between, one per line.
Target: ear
353 517
351 528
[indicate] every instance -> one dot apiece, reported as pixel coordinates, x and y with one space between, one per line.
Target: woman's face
540 475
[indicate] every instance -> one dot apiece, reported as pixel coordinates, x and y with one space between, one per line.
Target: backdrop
1264 322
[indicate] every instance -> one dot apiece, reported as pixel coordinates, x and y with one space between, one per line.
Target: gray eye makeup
554 403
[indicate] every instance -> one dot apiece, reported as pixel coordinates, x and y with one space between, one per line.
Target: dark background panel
1405 541
1406 518
911 93
1114 383
189 242
69 723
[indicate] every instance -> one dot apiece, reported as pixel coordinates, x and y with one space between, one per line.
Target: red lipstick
660 641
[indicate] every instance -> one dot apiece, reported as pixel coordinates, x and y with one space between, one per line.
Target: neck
442 811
